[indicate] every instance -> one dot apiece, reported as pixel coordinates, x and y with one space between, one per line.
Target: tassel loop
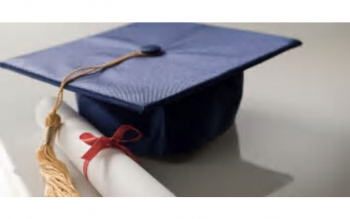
52 123
53 120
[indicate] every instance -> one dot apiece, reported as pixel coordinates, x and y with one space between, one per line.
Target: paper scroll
111 172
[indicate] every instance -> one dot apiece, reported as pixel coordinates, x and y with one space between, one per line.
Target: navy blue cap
187 91
186 57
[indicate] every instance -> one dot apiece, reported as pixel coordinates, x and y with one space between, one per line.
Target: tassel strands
55 172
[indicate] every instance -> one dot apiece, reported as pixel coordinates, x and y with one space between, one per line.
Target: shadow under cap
215 170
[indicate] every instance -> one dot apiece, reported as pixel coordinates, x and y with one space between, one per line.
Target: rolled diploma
111 172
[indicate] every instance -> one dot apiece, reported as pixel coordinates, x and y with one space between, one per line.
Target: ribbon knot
99 143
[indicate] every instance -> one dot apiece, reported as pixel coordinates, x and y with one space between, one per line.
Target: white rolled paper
111 171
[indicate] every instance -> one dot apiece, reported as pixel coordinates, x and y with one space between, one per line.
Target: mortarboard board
186 95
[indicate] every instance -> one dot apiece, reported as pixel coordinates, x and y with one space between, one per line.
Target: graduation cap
180 84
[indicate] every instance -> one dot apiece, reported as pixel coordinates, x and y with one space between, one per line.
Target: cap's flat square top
195 55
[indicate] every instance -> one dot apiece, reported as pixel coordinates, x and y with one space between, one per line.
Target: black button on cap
153 50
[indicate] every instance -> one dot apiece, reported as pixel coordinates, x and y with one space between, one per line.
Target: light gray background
292 135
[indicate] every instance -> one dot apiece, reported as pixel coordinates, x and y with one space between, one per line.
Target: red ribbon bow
100 143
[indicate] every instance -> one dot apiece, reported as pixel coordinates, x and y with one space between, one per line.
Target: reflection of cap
187 92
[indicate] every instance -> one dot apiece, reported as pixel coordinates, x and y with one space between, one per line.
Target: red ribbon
99 143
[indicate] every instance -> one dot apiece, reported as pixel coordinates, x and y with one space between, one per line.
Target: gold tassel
55 172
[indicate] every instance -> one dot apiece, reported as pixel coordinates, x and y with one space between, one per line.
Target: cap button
153 50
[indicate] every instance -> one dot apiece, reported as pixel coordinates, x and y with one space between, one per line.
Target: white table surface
292 135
